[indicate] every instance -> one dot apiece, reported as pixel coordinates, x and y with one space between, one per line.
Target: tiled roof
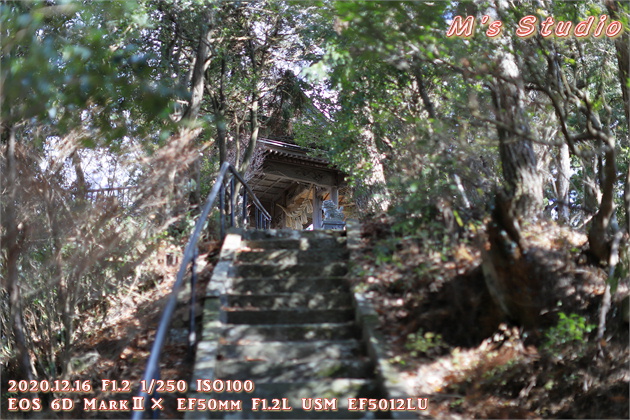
282 149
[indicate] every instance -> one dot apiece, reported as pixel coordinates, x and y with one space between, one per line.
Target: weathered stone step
298 332
302 244
286 316
339 388
292 256
279 415
262 371
293 414
292 234
253 270
291 301
280 351
292 285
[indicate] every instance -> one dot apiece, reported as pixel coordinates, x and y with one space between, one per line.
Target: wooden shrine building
292 185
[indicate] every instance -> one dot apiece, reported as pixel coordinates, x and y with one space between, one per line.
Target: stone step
281 351
292 234
286 316
299 332
291 301
295 413
252 270
303 244
292 256
273 286
263 371
340 388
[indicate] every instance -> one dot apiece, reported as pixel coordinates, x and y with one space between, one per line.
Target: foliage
425 343
64 68
410 100
83 110
569 329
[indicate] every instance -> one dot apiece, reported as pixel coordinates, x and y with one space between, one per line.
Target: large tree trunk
522 180
622 46
197 85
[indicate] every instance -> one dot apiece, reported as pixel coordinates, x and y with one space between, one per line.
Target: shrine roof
281 149
286 165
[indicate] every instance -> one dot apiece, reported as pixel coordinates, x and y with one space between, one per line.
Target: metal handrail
262 220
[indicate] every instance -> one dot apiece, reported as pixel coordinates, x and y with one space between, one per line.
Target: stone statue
331 212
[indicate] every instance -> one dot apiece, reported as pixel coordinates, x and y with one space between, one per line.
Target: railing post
257 217
192 330
232 200
244 208
222 209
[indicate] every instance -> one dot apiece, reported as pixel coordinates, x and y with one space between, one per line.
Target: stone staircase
280 313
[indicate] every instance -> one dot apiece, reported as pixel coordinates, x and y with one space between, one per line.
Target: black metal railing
262 219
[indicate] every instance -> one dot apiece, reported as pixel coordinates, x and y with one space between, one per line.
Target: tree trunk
592 192
253 112
563 164
522 181
78 170
597 239
253 139
202 61
622 46
627 201
190 114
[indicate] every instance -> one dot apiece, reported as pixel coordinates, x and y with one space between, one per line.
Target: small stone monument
333 216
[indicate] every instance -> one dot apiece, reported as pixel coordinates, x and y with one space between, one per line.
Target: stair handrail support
262 220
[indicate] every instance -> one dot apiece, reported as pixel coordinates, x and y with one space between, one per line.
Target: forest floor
445 335
452 345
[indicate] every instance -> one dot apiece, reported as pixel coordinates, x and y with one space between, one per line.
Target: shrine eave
279 150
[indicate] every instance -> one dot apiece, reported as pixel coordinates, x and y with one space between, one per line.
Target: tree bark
202 61
522 180
563 164
518 159
622 47
197 85
78 170
218 106
253 139
627 200
253 110
422 89
592 192
597 239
